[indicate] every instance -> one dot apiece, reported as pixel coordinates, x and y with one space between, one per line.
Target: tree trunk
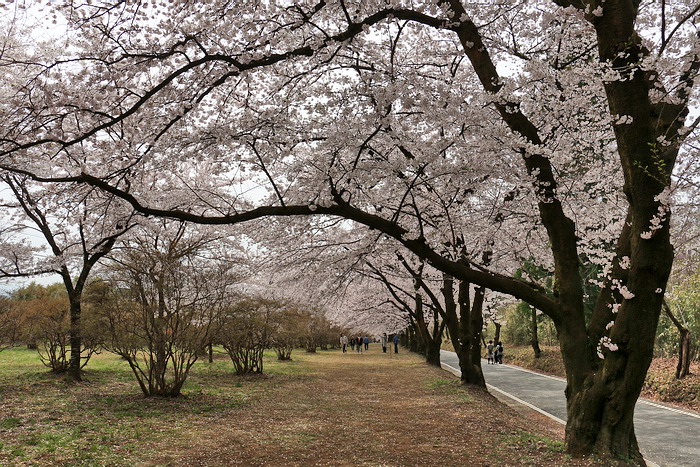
534 341
684 344
410 339
211 352
432 355
476 325
284 353
428 345
75 339
471 324
463 339
683 367
602 393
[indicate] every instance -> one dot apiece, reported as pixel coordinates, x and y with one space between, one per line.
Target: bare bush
9 323
245 333
161 304
42 320
289 325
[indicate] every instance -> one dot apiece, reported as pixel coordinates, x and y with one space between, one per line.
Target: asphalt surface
667 436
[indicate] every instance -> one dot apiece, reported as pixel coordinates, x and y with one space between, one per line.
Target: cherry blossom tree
545 129
407 297
79 228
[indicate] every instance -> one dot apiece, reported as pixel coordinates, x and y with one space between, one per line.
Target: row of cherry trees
473 135
160 299
160 293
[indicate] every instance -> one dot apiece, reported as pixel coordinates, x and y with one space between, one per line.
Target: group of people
495 353
357 343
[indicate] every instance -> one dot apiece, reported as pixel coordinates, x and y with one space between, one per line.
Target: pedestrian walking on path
366 343
499 352
490 357
358 344
384 342
344 342
396 343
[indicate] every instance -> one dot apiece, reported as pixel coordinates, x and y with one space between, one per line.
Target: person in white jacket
344 342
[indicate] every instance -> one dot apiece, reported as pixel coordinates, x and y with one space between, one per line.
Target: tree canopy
475 135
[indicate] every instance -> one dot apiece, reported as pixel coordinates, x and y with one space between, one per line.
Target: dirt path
372 409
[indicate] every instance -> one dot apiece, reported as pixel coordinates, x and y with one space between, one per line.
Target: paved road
667 436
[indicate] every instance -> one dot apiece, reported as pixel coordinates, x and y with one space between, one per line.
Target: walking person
396 343
490 356
366 342
384 340
499 352
358 344
352 343
344 342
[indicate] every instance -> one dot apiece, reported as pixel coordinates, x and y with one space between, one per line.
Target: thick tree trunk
411 339
601 409
534 341
432 355
465 339
600 415
602 393
429 344
471 325
497 333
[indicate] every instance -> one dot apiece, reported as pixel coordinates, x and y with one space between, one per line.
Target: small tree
318 331
680 322
288 324
51 312
684 344
245 333
9 323
161 306
44 321
79 228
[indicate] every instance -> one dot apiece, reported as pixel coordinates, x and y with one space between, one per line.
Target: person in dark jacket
499 352
396 343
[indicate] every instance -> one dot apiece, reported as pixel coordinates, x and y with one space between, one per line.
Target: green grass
11 422
530 447
439 383
528 440
105 420
451 386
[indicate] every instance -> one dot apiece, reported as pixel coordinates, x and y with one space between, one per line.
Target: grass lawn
329 408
